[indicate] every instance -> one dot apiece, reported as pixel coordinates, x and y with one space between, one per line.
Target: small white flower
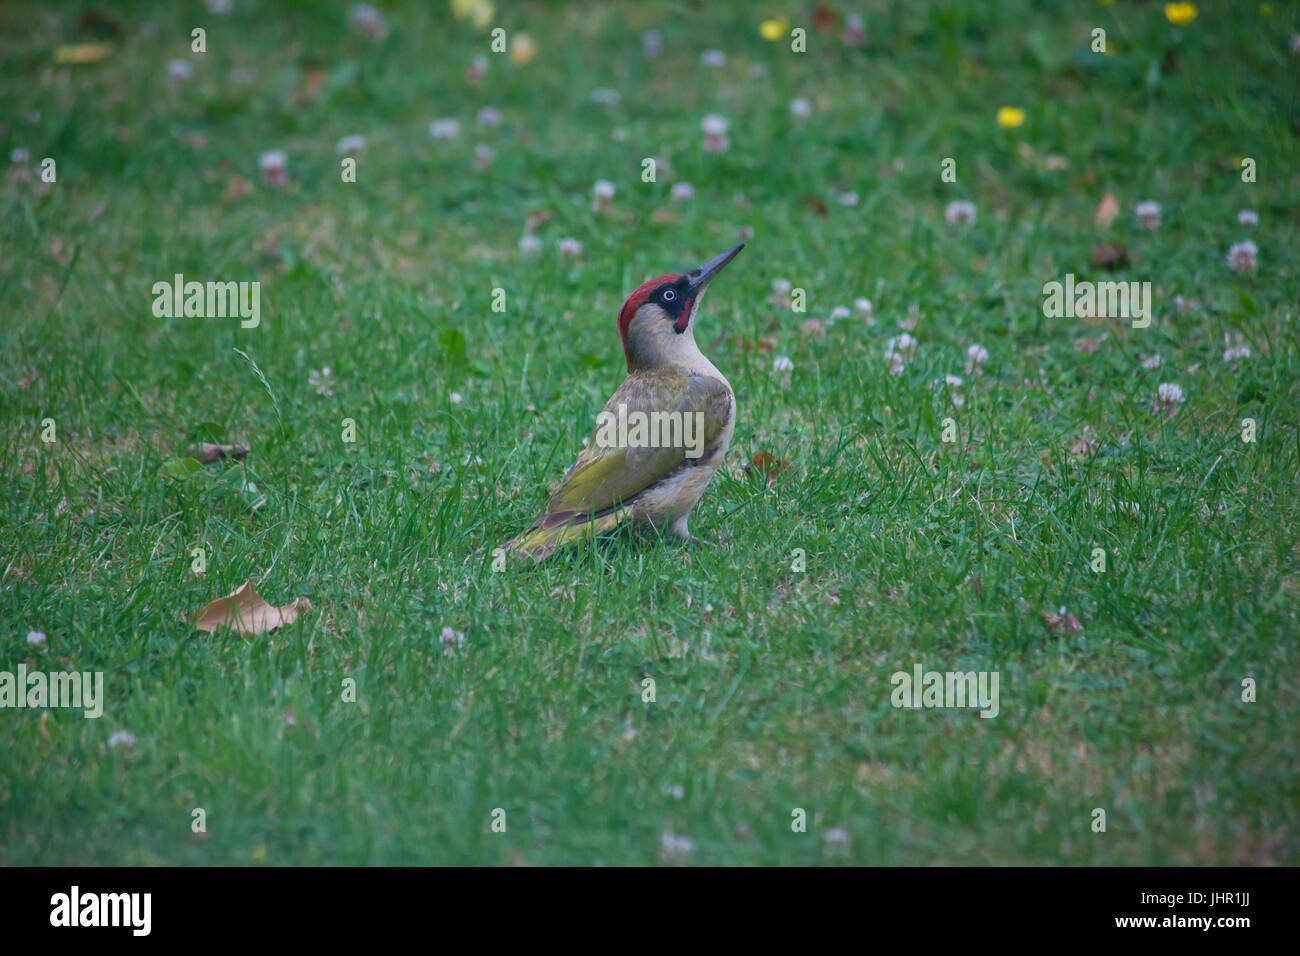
121 738
489 116
953 381
1130 508
713 58
902 346
652 43
714 125
1242 256
19 156
452 637
839 312
570 247
676 791
457 398
605 97
351 145
36 638
603 189
1168 396
1248 217
219 7
1151 361
960 212
1236 353
782 363
781 286
321 381
444 128
674 847
682 191
367 21
529 243
837 836
800 107
848 199
178 71
1148 214
274 165
863 305
484 156
977 354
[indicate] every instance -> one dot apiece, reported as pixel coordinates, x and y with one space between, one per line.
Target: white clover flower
652 43
953 381
484 156
274 165
714 58
603 189
570 247
673 847
848 199
19 156
351 145
837 836
179 71
444 129
529 243
800 107
367 21
781 286
1248 217
960 212
782 363
682 191
1242 256
903 346
1148 214
606 97
121 738
714 124
489 116
1151 361
863 305
977 354
839 312
1236 353
1168 396
321 381
457 398
36 638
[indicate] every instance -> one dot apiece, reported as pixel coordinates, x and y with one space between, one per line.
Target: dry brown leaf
539 218
1107 210
1058 623
1084 446
1110 255
665 215
247 612
1089 345
237 188
768 466
207 452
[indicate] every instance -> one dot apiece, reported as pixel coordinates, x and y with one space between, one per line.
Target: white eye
669 295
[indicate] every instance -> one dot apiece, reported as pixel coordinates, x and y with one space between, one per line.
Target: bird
686 409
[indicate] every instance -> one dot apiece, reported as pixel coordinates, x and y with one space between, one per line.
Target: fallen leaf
767 465
207 452
83 52
247 612
1107 210
539 218
817 206
1058 623
237 188
665 215
1089 345
1110 255
313 81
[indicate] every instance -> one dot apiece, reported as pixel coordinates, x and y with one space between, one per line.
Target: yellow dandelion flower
1010 117
1180 14
774 30
478 12
523 49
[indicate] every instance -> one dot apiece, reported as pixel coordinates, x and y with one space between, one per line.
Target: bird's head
657 322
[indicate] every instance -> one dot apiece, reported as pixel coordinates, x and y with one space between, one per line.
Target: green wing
604 477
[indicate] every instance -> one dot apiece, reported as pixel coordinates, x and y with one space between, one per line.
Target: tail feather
541 540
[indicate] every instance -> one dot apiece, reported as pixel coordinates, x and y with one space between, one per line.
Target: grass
772 685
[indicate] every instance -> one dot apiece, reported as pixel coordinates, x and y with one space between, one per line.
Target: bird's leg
680 529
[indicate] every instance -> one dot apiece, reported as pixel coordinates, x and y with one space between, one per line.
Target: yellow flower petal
1180 14
1010 117
774 30
523 49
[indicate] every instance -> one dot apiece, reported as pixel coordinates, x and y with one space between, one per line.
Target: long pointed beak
700 277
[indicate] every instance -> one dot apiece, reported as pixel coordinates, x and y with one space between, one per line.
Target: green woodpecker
663 434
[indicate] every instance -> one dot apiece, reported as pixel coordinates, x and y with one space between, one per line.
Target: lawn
888 502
